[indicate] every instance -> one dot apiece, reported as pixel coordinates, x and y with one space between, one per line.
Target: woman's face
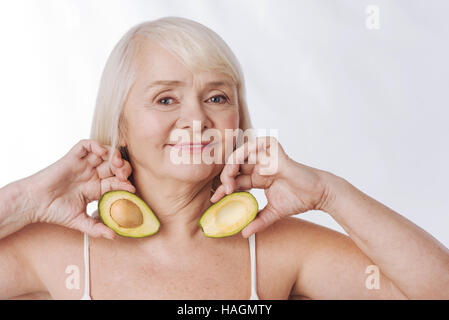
154 110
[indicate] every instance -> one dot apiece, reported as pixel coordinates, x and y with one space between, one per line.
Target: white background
370 105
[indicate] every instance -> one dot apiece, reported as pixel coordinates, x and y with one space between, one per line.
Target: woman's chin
191 172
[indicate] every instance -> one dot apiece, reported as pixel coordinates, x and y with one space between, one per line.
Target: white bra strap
252 248
86 295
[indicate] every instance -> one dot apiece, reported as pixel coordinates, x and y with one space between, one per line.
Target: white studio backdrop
357 88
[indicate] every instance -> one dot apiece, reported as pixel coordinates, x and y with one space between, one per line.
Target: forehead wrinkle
218 82
197 81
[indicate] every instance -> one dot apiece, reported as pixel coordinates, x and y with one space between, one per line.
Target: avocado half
229 215
127 214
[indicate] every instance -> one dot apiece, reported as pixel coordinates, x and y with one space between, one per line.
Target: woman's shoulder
294 238
50 253
294 228
41 244
45 234
281 251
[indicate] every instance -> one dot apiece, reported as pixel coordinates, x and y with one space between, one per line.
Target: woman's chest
122 273
198 277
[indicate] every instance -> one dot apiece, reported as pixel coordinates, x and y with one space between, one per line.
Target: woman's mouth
193 147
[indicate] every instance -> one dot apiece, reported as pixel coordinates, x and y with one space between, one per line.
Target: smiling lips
193 147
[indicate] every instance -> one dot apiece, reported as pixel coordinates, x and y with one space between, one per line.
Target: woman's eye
216 99
219 99
165 100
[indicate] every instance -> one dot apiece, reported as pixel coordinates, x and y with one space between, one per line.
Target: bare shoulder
297 235
285 247
300 232
43 236
328 264
43 245
47 250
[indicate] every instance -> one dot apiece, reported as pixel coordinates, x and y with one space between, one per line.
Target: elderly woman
165 76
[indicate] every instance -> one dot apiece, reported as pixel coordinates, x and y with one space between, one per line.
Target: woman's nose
192 113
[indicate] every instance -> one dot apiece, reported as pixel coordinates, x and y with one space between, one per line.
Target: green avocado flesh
127 214
229 215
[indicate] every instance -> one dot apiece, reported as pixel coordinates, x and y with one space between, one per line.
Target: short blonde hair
198 47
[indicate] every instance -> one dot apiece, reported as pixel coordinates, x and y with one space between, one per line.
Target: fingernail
228 189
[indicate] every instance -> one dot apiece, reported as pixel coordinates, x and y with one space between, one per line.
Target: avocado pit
126 214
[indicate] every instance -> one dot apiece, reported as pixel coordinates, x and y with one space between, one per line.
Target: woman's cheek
153 127
228 136
227 120
234 118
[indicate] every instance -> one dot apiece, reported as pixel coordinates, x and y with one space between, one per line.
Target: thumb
264 218
92 227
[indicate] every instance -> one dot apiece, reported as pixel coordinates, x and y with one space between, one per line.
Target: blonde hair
197 46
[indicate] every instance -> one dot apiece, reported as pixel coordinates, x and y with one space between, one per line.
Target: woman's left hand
290 187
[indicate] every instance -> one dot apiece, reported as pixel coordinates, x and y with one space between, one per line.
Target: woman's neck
178 205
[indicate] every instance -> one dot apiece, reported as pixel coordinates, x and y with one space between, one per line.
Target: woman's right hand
63 190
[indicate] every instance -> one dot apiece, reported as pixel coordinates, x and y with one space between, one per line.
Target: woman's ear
123 147
122 141
124 153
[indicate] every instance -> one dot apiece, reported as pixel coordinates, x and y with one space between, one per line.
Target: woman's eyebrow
165 83
217 83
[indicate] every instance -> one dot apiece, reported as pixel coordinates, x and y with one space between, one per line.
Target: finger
230 170
259 153
243 152
106 170
120 167
92 227
246 168
265 217
219 193
97 148
232 166
122 172
113 183
243 182
125 170
93 159
117 158
236 159
227 177
86 146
